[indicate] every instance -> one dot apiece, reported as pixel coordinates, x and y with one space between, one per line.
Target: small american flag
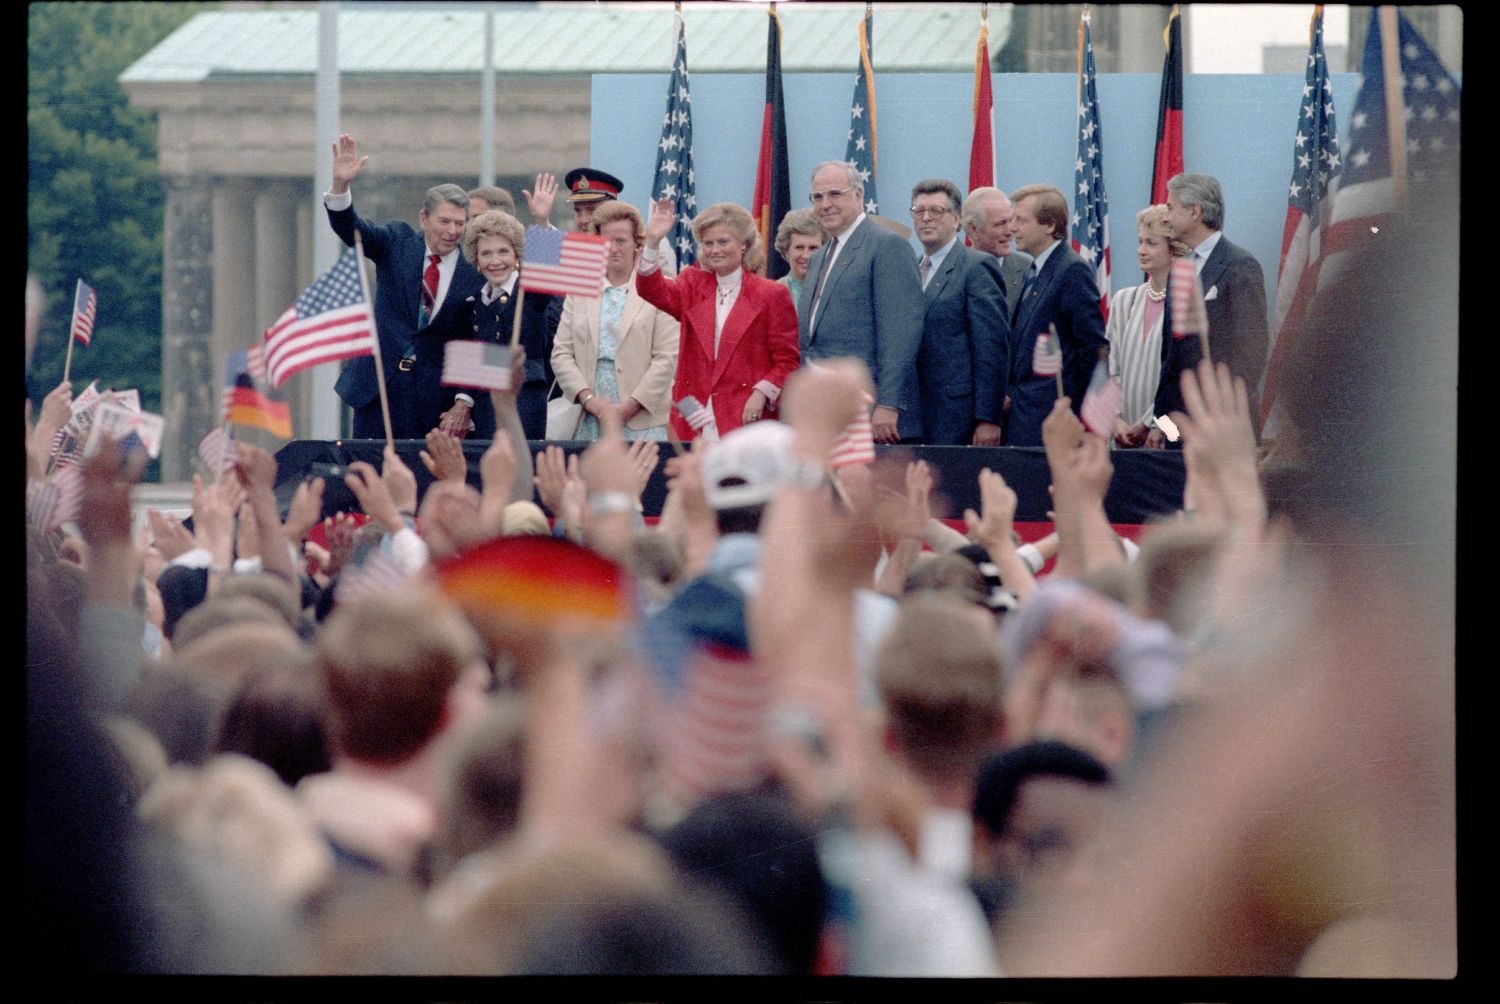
217 451
1090 233
674 177
563 263
1189 315
857 443
330 321
50 504
84 302
1047 358
255 363
476 364
699 418
1101 402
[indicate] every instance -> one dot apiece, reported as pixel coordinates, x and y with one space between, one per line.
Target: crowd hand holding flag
57 408
505 469
213 520
993 528
1219 450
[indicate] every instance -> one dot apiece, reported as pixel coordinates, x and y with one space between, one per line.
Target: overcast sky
1228 38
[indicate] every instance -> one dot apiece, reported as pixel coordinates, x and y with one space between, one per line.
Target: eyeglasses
818 198
930 212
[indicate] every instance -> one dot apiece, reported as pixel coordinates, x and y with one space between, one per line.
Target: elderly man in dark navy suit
418 274
964 358
1059 291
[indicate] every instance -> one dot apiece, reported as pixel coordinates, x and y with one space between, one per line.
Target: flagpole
364 288
68 362
515 327
1395 117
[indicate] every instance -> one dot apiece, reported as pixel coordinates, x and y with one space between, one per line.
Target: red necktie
429 289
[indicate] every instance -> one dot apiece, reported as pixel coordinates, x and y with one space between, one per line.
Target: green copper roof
568 38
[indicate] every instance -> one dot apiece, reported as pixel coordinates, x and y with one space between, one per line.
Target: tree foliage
95 204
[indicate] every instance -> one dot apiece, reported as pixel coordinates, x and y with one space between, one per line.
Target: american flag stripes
1090 230
476 364
563 263
255 363
856 445
1101 402
51 503
217 451
84 303
331 321
674 178
1046 358
861 149
1316 168
1189 314
378 574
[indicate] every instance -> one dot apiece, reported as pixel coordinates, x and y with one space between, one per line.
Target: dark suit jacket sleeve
1244 350
896 299
989 335
1080 326
377 239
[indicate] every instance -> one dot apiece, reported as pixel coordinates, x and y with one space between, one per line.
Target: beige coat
645 359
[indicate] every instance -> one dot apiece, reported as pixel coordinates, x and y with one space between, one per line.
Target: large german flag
1169 113
773 196
246 404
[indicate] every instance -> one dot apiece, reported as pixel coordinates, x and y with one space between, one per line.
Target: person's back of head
220 611
388 664
756 850
233 651
482 797
1168 577
1088 707
939 673
272 590
276 717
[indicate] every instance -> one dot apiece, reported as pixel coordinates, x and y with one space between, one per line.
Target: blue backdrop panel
1239 128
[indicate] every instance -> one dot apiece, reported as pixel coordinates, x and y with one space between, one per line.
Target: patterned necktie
925 269
429 290
833 247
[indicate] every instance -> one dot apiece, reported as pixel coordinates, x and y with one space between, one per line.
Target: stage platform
1146 483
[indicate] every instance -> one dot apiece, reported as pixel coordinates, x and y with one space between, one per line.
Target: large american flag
674 177
563 263
1316 167
330 321
1090 232
84 302
861 149
1362 190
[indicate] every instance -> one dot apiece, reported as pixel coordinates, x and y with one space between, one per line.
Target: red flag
1169 112
773 192
982 147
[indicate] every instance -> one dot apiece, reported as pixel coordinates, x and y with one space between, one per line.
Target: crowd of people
798 725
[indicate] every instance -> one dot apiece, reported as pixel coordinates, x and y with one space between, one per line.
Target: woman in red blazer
739 330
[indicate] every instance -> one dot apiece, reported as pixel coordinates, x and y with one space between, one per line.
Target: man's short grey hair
932 186
451 194
855 181
1200 190
973 214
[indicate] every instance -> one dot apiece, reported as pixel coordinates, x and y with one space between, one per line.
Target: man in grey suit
862 297
990 223
964 361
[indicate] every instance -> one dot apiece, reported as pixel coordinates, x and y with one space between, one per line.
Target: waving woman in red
739 330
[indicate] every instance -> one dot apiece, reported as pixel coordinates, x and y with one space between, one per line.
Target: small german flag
246 404
540 580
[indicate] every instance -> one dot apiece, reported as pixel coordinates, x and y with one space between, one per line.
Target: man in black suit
1059 290
1234 295
418 274
990 224
964 358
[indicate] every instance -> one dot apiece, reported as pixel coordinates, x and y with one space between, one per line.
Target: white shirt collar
1041 259
844 234
730 281
942 252
508 287
1205 248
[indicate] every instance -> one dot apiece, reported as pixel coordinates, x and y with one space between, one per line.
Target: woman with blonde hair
739 329
1135 324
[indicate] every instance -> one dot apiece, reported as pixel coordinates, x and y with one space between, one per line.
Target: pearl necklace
1154 295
